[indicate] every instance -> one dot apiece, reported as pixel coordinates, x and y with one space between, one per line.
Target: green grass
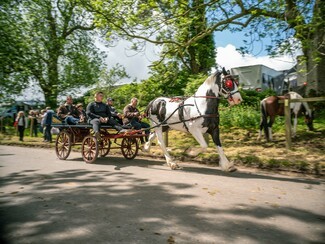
238 133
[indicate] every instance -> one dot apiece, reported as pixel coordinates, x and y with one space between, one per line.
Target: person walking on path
21 124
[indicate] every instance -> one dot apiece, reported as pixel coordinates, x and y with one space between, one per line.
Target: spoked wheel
129 148
89 149
104 147
63 145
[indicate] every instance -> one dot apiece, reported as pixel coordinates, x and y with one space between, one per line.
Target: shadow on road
121 162
79 206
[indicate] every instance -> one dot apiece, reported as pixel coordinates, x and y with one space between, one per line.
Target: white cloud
136 64
229 57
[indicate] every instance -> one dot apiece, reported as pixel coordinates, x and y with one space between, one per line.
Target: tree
49 41
110 78
289 23
170 24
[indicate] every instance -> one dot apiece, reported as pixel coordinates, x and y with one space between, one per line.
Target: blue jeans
71 120
138 125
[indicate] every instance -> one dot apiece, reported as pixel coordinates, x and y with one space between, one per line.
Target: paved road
45 200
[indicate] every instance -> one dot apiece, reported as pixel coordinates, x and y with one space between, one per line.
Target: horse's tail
263 125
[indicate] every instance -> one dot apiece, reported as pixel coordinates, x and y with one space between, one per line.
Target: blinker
229 84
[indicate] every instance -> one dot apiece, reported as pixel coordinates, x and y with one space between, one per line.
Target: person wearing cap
115 114
98 113
82 113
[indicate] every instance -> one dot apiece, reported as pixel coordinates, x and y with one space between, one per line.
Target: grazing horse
197 115
270 107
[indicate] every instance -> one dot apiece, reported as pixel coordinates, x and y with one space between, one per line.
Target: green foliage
253 98
47 42
239 117
194 82
109 78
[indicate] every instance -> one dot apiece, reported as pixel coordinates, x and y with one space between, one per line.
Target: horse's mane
211 79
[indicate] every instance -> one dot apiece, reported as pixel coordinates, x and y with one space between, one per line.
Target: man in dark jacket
115 114
98 113
68 112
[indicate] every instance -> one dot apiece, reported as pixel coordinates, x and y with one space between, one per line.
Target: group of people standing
40 121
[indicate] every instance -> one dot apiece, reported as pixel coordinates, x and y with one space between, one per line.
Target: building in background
260 77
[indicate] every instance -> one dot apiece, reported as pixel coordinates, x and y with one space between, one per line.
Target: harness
226 85
181 114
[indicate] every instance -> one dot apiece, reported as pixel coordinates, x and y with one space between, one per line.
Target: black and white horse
270 108
197 115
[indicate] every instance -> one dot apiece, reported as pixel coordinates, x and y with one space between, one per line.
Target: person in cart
115 114
82 113
68 112
133 117
98 114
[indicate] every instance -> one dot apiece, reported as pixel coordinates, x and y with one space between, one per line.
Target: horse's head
228 87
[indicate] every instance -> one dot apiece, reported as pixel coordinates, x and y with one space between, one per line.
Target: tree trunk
316 56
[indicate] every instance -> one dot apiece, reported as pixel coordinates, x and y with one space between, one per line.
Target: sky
136 65
227 56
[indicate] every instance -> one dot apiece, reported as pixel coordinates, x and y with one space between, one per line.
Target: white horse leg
295 121
169 159
147 145
270 133
224 162
200 139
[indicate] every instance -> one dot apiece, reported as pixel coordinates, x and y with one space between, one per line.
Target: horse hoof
232 169
174 166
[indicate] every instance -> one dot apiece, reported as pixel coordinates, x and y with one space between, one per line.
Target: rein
163 123
183 121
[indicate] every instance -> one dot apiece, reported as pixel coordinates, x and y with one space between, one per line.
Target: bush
240 117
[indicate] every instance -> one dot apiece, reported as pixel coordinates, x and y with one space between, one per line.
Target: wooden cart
91 147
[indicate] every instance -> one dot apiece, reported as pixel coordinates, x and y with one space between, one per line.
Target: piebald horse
270 107
197 115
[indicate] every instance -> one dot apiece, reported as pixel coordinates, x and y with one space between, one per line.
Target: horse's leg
263 127
200 139
263 123
147 145
169 159
224 162
269 127
295 122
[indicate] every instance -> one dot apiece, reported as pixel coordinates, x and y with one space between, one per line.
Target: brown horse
270 107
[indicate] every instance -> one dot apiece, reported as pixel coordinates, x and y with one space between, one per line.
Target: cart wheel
129 148
89 149
104 147
63 145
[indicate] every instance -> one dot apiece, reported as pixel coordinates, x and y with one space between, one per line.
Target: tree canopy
174 24
50 42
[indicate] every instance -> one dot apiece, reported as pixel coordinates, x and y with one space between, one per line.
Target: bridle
227 87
